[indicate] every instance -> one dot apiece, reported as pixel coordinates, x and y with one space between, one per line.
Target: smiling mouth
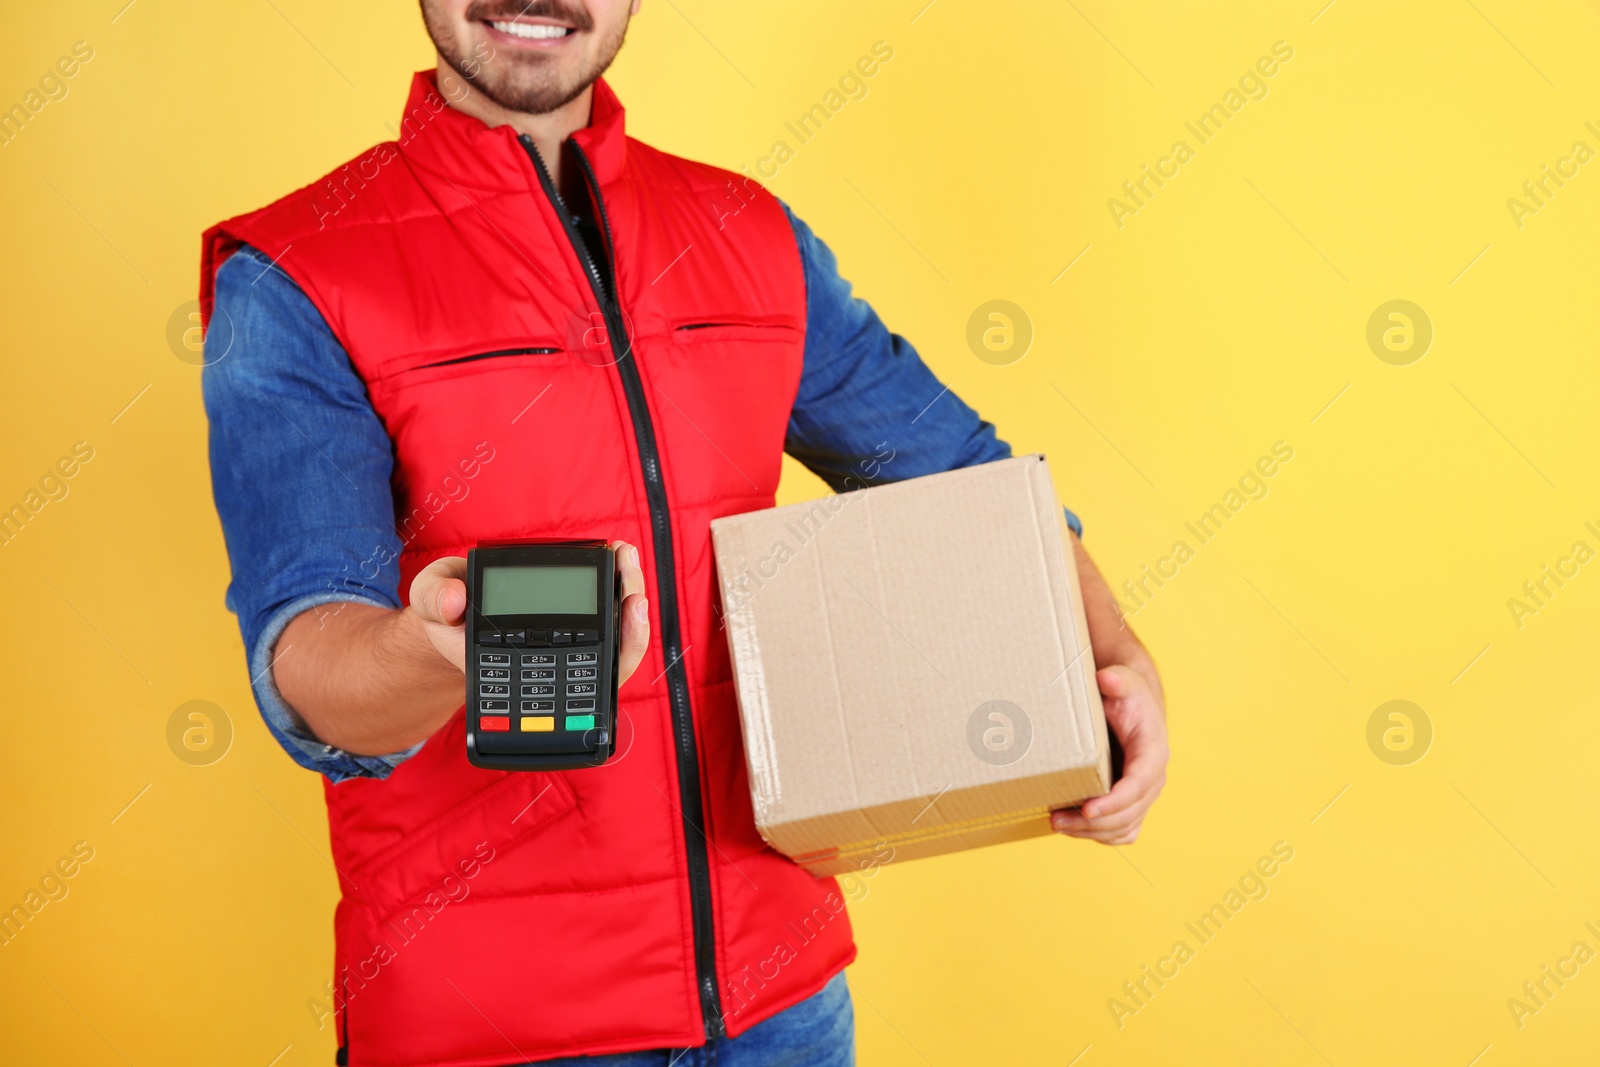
532 31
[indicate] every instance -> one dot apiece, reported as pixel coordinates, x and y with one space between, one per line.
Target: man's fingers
635 608
1121 828
439 591
1128 800
1127 804
1076 819
628 568
1076 822
635 635
1115 681
1131 711
1124 837
1143 776
1129 704
1104 835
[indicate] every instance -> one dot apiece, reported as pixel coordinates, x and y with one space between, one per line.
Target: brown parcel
913 666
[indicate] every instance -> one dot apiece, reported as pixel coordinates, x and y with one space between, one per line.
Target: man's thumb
439 591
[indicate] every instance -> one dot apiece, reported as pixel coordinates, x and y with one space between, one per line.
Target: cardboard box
913 666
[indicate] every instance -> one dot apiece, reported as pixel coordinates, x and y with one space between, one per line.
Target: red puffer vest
491 917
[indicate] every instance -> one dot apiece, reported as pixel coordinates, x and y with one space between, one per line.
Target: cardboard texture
913 666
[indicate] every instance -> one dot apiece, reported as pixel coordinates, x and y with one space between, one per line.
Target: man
516 322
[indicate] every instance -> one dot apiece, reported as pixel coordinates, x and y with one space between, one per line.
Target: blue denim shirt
301 466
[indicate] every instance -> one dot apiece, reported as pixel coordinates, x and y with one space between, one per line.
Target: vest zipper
692 809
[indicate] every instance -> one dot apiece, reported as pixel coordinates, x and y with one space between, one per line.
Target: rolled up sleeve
300 469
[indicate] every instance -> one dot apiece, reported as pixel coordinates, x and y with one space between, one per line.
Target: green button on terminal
580 722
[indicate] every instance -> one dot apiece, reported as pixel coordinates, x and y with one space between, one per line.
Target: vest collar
605 139
438 138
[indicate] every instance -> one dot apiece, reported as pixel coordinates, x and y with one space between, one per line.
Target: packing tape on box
915 837
759 746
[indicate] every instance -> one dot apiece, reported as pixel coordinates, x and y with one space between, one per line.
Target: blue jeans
817 1032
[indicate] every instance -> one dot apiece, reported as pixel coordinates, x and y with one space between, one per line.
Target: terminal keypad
556 691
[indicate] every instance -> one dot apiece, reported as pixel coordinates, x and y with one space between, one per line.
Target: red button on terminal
494 723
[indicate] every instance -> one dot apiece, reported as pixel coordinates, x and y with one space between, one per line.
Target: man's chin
532 96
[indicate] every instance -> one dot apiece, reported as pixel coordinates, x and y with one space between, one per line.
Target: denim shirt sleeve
869 410
300 469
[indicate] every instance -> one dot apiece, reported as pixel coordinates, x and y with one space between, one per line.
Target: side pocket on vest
451 849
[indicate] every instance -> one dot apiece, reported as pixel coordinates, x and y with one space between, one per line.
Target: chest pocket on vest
504 442
753 331
723 383
724 330
499 353
535 355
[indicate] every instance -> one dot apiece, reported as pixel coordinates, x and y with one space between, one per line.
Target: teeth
538 31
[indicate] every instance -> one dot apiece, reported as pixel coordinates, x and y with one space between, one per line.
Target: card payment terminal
542 629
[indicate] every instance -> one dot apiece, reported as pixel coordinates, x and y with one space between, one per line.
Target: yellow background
1223 317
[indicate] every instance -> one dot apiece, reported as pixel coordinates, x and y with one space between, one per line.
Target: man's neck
548 131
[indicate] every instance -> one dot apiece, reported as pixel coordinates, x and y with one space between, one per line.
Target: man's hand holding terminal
374 681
